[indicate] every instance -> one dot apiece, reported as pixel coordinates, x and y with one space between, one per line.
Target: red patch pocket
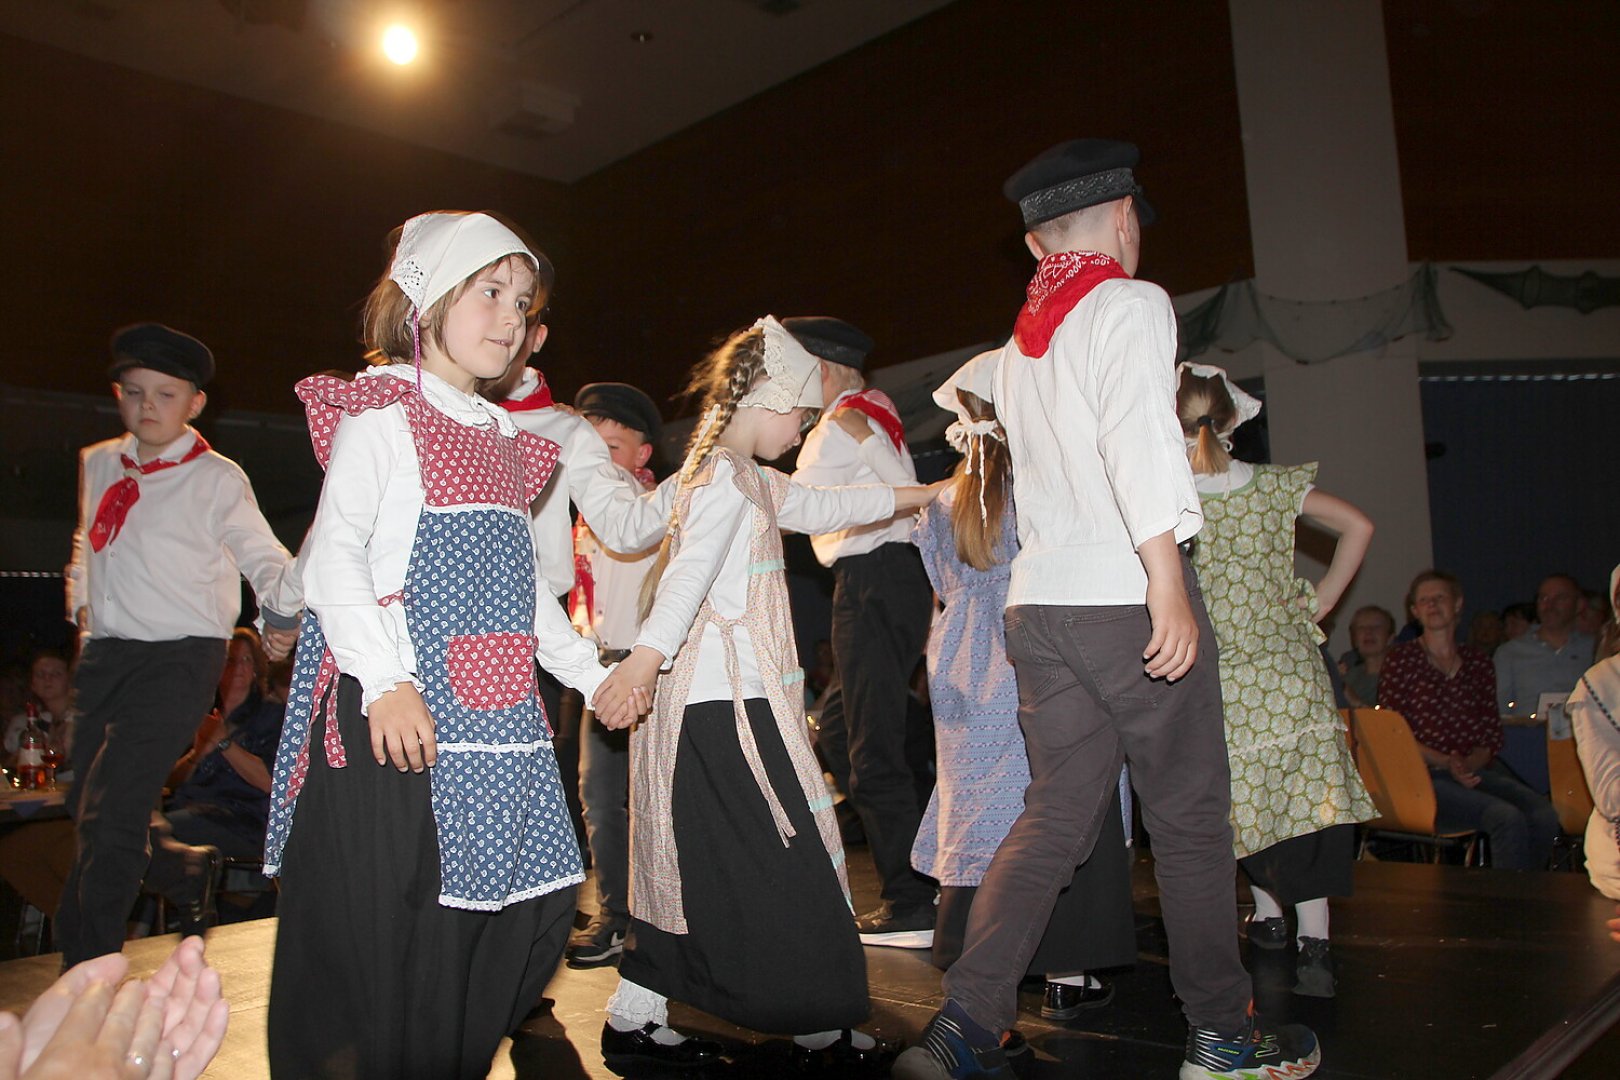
491 671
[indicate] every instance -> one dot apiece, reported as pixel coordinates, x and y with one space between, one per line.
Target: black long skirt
1306 867
373 978
770 942
1092 927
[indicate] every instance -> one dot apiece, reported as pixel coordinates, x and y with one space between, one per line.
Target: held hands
627 692
1173 648
402 730
86 1026
278 643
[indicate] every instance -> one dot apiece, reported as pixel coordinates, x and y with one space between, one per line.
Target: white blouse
713 561
360 546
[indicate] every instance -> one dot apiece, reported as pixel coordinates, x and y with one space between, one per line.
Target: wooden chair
1572 800
1398 781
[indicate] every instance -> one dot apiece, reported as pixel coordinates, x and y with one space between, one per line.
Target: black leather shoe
1268 933
843 1058
640 1048
197 911
1065 1002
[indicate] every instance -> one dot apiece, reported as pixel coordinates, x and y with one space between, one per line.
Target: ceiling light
399 44
641 37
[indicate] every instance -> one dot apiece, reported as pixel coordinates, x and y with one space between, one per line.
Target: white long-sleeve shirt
713 561
360 546
174 570
624 518
1099 463
832 457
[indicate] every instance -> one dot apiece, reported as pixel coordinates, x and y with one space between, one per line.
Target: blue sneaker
1286 1052
952 1047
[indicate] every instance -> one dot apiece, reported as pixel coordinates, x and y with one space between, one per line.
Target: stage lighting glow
399 44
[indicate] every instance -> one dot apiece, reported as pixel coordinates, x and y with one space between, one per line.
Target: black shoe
1313 971
638 1047
1020 1056
843 1058
1065 1002
908 928
1268 933
597 944
1255 1050
195 900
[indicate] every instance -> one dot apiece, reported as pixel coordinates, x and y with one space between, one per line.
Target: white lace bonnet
1247 405
792 375
438 251
977 376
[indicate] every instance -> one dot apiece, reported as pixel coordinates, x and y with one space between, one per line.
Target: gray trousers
140 703
604 790
1085 705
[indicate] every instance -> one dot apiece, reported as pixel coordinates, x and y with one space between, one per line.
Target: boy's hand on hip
1173 648
402 730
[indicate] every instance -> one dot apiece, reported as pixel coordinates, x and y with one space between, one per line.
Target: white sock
1265 905
1313 918
1077 979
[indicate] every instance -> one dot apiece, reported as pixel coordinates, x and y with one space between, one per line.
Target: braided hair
722 379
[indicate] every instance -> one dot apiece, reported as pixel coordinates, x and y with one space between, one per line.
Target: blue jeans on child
1521 824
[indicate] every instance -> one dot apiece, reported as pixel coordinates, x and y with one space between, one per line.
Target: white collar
1237 475
173 452
469 409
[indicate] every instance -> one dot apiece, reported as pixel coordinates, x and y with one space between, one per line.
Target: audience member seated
1372 629
1447 693
51 692
1485 632
1549 658
221 788
1594 713
1594 616
1517 619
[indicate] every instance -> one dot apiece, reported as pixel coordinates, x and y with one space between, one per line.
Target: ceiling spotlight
641 37
399 44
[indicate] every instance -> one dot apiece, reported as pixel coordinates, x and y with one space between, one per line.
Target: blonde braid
723 378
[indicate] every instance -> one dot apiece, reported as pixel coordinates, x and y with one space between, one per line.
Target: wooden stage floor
1444 972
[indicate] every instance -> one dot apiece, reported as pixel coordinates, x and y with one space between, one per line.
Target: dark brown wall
870 187
259 230
1507 116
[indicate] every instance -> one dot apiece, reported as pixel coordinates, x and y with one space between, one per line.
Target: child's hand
1174 646
854 423
911 499
628 690
402 729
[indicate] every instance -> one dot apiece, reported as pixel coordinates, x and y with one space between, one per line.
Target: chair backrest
1393 770
1570 795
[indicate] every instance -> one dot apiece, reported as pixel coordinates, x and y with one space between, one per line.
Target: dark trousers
1085 705
374 979
140 703
880 612
1521 823
604 790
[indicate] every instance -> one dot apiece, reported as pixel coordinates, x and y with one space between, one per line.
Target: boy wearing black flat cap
605 608
1106 630
881 605
167 528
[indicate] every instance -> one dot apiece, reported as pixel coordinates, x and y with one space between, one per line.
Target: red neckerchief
582 597
540 399
1060 282
879 406
117 500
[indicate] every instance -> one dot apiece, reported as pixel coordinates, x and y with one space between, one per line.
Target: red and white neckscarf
121 497
539 399
1061 281
880 407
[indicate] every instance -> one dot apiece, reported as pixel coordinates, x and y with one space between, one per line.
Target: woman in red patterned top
1447 693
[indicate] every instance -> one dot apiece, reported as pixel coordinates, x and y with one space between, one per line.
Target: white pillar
1326 224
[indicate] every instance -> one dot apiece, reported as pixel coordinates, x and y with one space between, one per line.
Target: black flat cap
831 339
621 403
1074 175
160 348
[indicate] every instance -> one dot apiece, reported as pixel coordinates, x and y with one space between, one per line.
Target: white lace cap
977 376
1248 406
439 251
792 375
